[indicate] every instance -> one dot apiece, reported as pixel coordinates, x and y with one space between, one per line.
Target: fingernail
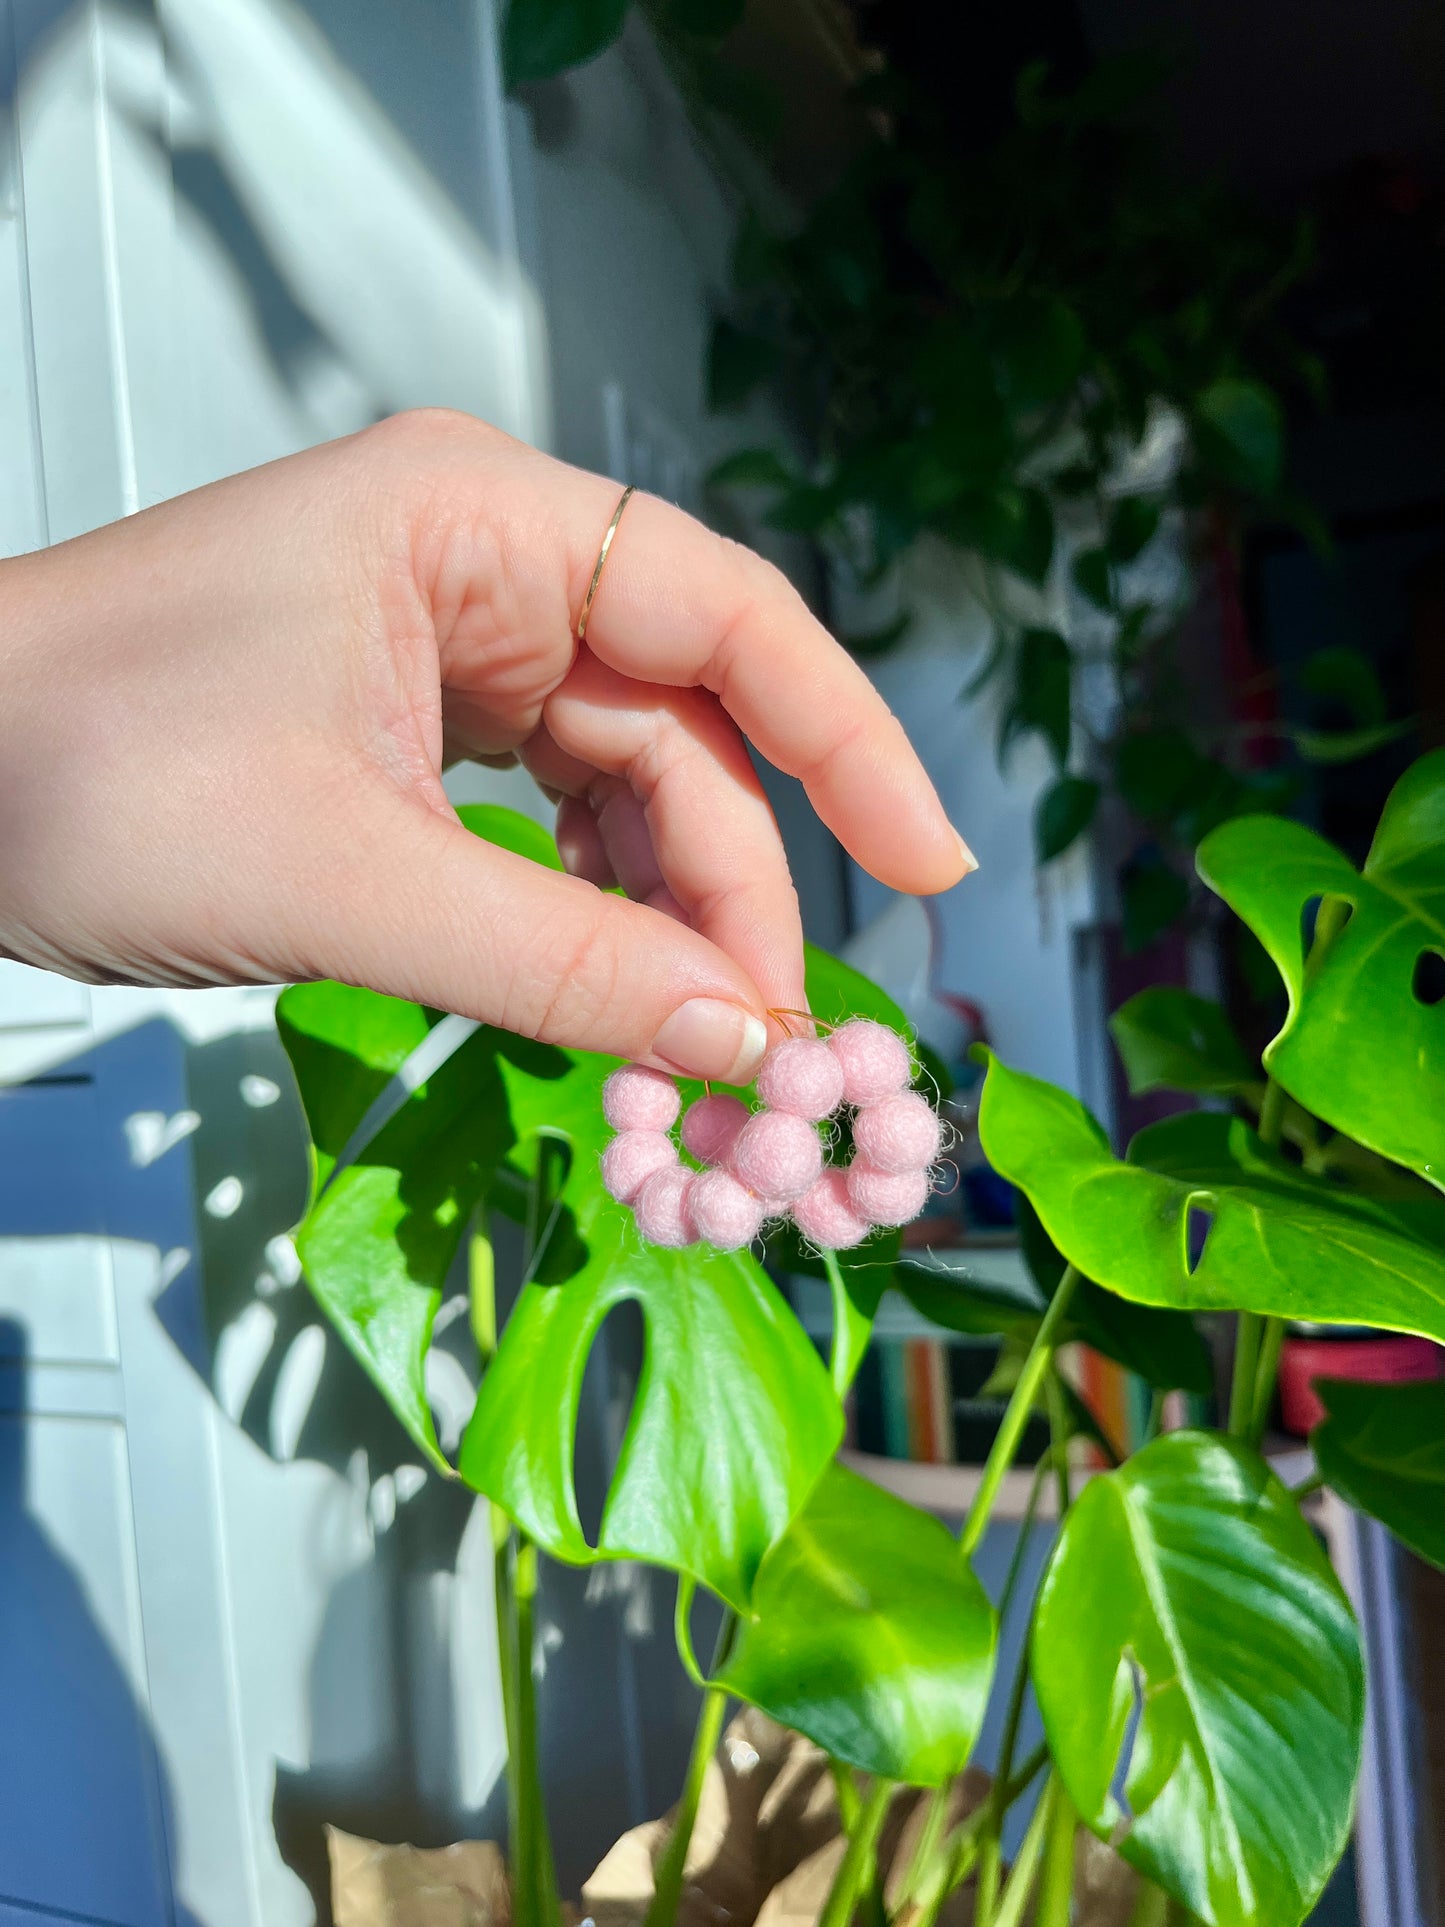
970 861
706 1037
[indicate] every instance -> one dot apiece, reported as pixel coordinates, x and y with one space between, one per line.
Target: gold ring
590 596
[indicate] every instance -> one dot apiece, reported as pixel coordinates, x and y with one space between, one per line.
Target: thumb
464 926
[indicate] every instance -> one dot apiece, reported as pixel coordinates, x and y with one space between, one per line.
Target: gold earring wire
587 600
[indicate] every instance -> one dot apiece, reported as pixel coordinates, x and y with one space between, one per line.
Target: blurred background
1079 360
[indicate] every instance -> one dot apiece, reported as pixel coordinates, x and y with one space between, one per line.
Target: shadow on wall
89 1818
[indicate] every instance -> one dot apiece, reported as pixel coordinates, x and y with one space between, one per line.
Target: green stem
1016 1417
667 1888
1154 1424
850 1801
1313 1483
540 1870
1020 1782
1266 1371
1271 1114
1060 1432
1021 1879
856 1870
1056 1881
1246 1368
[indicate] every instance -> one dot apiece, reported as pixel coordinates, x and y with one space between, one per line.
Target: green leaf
836 992
377 1242
1240 432
541 38
1348 677
1041 350
510 830
1382 1448
345 1047
1362 1047
869 1635
1154 896
1347 745
1171 1040
878 642
1275 1240
1043 683
1157 771
1064 812
738 364
1132 526
1093 578
734 1415
1186 1584
1163 1347
1011 525
751 468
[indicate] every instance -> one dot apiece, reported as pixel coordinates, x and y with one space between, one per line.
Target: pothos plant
1196 1665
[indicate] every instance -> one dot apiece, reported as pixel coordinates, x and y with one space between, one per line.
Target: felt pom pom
726 1214
711 1125
777 1156
885 1197
663 1208
874 1060
897 1133
630 1160
638 1099
802 1077
825 1214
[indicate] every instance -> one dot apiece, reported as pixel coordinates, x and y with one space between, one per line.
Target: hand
223 724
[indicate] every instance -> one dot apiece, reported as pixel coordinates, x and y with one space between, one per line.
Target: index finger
679 604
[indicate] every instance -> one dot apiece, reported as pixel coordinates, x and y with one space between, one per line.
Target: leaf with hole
1203 1217
734 1416
1186 1590
543 38
1382 1448
1063 813
1363 1046
1171 1040
867 1633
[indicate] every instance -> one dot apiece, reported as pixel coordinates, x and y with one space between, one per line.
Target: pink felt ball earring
763 1165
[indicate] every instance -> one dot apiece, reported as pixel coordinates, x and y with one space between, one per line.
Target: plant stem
1056 1881
850 1802
1060 1432
540 1870
1021 1879
1154 1424
856 1870
1016 1417
667 1889
1313 1483
1246 1365
1266 1371
1271 1114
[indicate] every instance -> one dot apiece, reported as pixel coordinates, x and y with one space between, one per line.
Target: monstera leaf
1203 1216
1186 1593
378 1238
1363 1046
734 1416
1382 1448
868 1633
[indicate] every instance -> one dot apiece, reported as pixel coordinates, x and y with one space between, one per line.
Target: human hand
223 724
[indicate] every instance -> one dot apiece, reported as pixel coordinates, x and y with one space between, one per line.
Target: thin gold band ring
591 594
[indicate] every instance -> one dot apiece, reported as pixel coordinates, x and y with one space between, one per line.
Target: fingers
680 814
505 548
457 923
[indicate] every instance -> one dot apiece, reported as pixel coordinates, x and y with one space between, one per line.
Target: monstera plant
1196 1664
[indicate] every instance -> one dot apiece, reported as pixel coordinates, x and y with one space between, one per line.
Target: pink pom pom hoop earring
768 1164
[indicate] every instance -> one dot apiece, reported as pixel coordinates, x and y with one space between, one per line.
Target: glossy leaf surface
1203 1217
377 1241
1064 811
734 1416
1186 1584
1171 1040
1364 1044
1382 1448
868 1633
